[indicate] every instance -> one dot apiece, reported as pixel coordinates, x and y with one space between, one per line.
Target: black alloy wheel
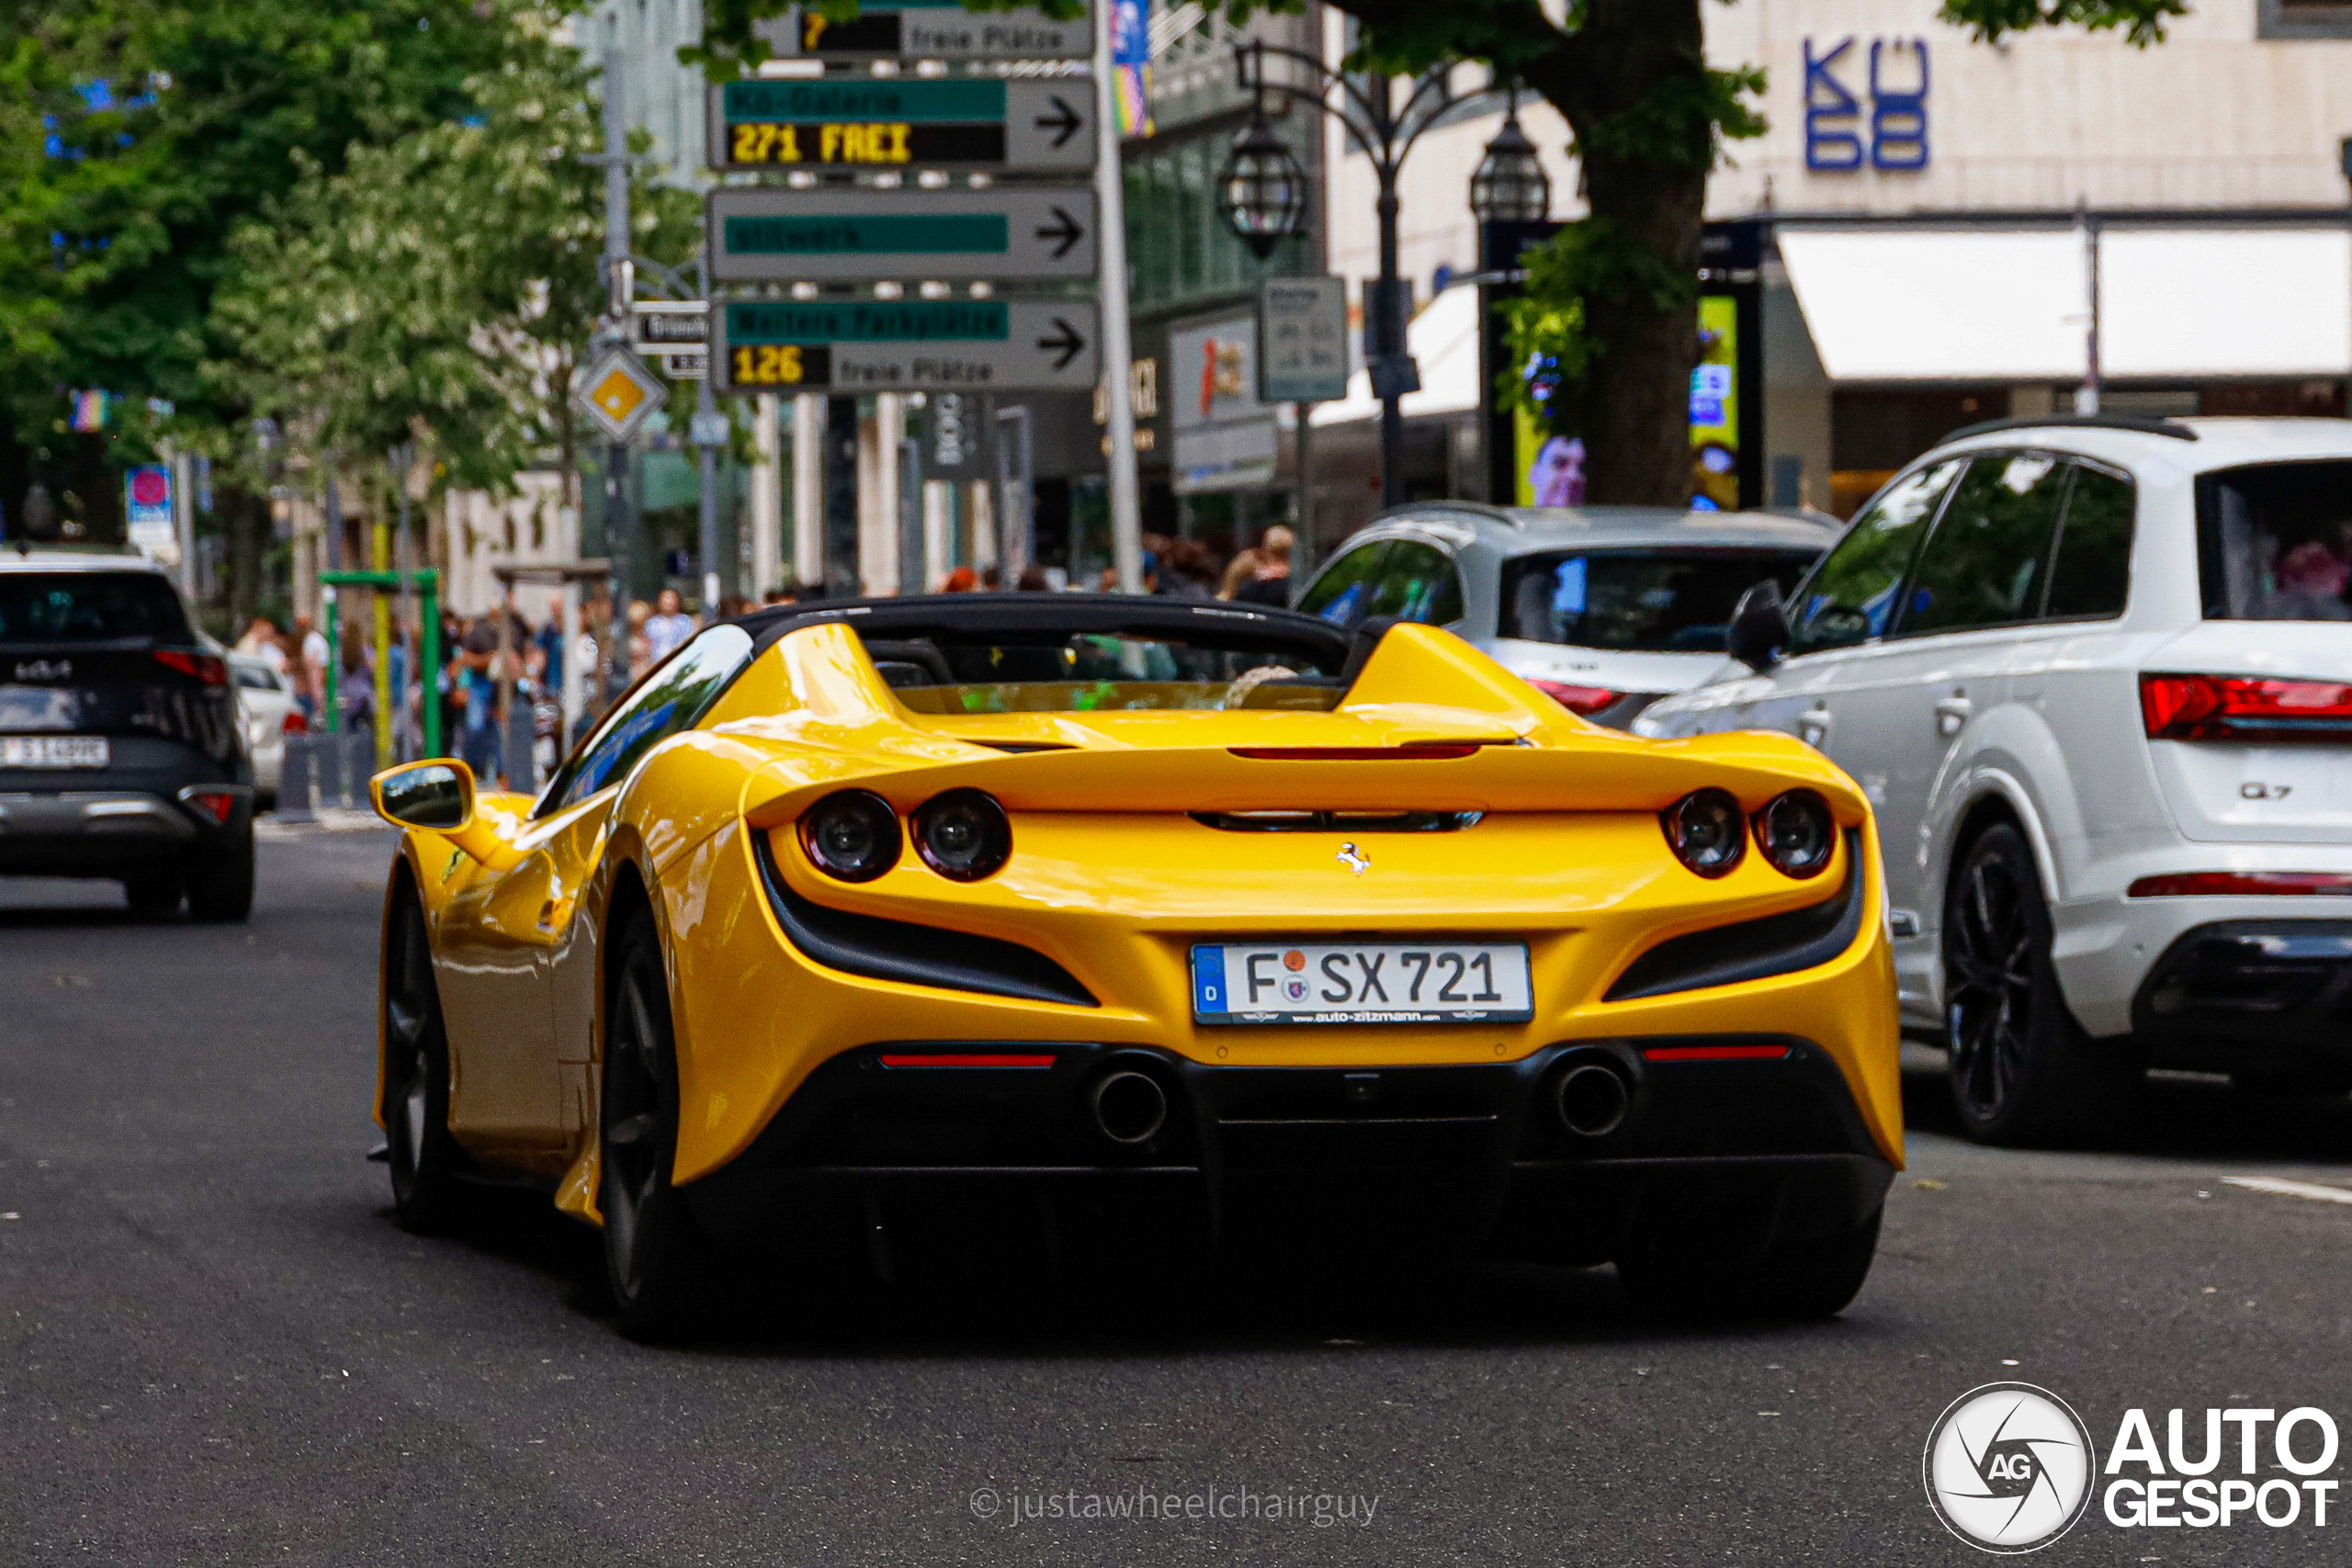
656 1256
424 1159
2022 1071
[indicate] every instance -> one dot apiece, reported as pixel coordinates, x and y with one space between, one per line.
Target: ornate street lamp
1511 185
1262 190
1263 194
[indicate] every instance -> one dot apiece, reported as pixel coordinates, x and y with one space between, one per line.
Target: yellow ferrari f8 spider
862 928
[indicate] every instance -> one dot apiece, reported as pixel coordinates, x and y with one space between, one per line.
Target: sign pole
620 535
1118 399
709 429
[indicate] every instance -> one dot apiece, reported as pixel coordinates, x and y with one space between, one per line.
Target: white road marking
2286 1189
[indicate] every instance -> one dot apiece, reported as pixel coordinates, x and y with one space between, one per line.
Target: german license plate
1362 982
52 750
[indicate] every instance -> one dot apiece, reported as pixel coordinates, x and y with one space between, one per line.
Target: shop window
2303 18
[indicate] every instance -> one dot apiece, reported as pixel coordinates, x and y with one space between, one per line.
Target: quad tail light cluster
854 835
1709 834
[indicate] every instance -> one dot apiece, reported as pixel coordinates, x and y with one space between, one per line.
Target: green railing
426 581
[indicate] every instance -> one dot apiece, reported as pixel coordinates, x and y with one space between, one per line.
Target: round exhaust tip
1127 1107
1592 1101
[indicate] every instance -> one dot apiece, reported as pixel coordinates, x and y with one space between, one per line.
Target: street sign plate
765 235
931 29
691 366
1302 340
879 345
660 324
619 394
884 122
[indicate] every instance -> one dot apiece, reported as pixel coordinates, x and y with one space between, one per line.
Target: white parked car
2095 673
265 701
1603 607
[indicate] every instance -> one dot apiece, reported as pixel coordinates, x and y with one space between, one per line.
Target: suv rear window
2274 542
1639 601
89 607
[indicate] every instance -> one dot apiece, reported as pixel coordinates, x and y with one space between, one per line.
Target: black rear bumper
2257 997
1431 1160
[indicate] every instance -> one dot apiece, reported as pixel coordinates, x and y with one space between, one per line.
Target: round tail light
1706 831
852 834
963 835
1797 833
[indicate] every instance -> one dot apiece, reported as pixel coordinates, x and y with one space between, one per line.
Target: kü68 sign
887 345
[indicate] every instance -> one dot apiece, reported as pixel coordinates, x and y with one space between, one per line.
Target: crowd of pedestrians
489 663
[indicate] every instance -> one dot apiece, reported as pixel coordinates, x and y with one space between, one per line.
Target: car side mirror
437 795
1760 626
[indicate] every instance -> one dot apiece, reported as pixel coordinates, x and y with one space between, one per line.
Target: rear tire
659 1262
1791 1277
2022 1070
424 1159
221 881
153 897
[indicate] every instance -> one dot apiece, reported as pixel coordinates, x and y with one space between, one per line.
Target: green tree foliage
118 233
443 283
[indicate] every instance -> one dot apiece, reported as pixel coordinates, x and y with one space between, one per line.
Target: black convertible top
1052 617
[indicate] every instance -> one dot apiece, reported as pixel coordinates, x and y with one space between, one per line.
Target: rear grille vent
1338 822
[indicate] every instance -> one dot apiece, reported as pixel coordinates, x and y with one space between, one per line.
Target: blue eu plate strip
1208 980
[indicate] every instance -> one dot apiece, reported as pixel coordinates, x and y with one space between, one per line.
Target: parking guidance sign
762 234
886 122
888 345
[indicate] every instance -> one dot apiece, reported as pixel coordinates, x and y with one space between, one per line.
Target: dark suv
120 754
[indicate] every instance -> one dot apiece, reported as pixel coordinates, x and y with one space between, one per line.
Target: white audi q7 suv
2096 674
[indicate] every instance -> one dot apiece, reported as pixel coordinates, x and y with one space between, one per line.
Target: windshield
1098 672
1639 601
2275 542
89 607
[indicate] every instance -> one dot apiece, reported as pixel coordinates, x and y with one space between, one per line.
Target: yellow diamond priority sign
620 393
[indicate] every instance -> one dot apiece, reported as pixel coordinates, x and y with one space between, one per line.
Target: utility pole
2087 398
621 518
709 430
1118 353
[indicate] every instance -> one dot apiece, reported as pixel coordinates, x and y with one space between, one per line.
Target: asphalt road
219 1349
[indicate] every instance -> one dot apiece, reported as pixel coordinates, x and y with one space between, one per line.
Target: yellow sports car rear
858 926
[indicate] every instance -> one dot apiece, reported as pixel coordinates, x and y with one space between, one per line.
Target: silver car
1606 608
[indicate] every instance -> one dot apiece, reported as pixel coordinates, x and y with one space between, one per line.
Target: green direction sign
887 345
887 122
931 29
763 234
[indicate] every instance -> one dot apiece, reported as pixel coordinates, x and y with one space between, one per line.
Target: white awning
2013 305
1443 341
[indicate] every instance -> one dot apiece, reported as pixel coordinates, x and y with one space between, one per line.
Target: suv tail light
208 668
1581 700
2236 707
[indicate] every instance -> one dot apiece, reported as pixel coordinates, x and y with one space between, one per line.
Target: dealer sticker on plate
52 750
1362 982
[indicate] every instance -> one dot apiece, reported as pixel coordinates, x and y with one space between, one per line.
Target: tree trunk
1633 85
1637 399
